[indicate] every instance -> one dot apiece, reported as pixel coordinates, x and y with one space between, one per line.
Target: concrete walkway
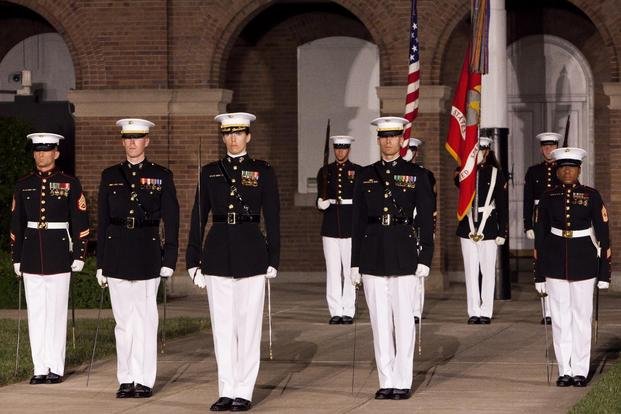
498 368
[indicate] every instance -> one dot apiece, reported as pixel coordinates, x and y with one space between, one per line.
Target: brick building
180 62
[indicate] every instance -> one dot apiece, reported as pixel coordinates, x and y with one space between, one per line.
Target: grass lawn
604 396
84 336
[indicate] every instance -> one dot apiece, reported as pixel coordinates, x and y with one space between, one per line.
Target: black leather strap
234 218
389 220
130 222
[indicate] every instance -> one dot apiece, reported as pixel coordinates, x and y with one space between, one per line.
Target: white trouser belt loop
49 225
341 201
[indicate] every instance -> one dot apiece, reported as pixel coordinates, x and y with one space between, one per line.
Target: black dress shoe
564 381
401 394
241 404
336 320
474 320
546 321
579 381
52 378
223 404
416 320
347 320
126 390
142 391
38 379
484 320
384 394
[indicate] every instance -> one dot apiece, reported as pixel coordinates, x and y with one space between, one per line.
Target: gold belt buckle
231 218
475 237
568 234
386 219
130 222
42 225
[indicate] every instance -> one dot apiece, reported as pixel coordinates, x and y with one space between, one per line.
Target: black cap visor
133 135
44 147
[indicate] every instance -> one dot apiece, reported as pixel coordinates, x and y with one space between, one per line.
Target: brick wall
249 47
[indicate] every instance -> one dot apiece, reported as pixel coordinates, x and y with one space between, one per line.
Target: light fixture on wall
25 82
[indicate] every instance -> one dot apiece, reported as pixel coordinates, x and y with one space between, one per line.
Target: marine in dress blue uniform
480 236
572 256
49 232
387 254
335 184
134 197
236 257
419 296
540 178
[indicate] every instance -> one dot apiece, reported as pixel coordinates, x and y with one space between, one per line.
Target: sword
596 312
72 310
19 319
545 326
326 155
420 319
353 360
164 319
269 315
90 367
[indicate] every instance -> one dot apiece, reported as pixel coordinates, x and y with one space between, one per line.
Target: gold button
42 217
567 215
42 187
42 201
131 211
387 171
385 195
232 193
549 185
230 206
385 208
133 185
235 167
133 172
43 209
45 180
566 207
387 183
233 180
42 194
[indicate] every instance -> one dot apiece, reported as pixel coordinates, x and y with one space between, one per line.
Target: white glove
101 279
77 266
541 287
197 277
354 276
500 241
16 269
603 285
166 272
530 234
422 270
271 273
323 204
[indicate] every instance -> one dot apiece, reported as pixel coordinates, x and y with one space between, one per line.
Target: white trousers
46 298
479 255
236 309
419 296
390 308
340 292
571 304
134 307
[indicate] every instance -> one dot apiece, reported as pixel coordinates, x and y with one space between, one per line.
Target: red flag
411 99
463 133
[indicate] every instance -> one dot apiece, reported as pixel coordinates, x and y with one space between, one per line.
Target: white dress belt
342 201
49 225
483 209
571 234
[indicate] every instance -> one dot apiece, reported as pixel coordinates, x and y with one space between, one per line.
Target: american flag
411 99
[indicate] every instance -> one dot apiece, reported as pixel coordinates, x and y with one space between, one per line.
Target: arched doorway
548 79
